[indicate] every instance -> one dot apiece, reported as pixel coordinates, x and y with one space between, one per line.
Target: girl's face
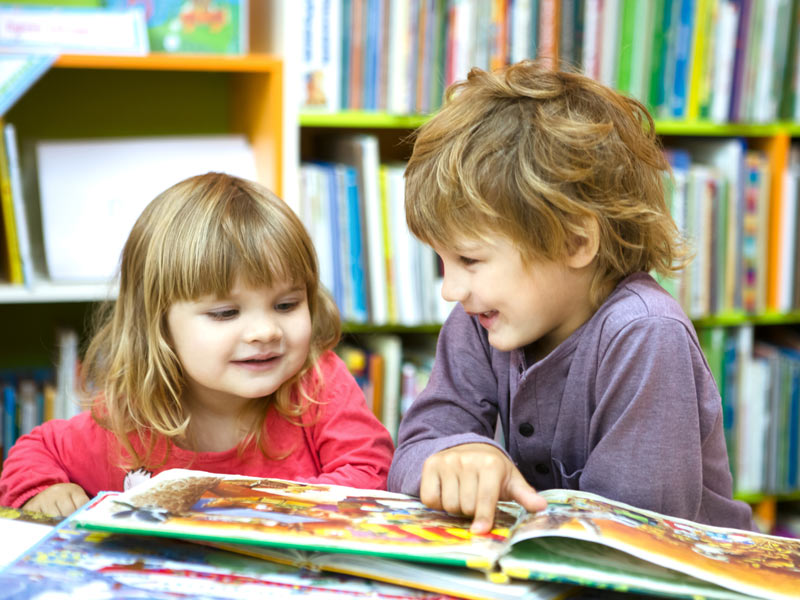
517 303
242 346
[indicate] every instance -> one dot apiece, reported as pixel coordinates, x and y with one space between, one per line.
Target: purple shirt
626 407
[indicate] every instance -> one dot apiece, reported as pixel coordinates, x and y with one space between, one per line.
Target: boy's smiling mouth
487 319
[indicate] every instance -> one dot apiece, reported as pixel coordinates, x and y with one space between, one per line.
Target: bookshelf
765 118
101 96
89 96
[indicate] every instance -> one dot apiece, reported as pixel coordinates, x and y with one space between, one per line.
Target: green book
580 538
626 47
662 11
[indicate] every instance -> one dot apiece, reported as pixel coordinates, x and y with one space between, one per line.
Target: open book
580 538
72 563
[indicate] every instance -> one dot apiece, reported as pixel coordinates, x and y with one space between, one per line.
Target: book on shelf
362 153
387 375
215 26
18 72
77 30
330 207
13 267
74 563
580 538
90 196
320 58
25 224
786 267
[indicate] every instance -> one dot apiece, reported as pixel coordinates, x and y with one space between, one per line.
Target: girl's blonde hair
531 153
194 240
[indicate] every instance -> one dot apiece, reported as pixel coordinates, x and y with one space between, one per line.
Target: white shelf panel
47 292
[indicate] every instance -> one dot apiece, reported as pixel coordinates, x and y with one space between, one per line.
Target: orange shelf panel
249 63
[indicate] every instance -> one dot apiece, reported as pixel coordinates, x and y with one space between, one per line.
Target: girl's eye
286 306
223 315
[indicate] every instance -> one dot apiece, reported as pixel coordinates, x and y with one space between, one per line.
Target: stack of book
222 536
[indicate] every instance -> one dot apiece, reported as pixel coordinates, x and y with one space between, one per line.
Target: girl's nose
263 329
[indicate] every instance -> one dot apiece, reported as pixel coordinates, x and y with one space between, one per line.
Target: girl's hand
470 479
60 499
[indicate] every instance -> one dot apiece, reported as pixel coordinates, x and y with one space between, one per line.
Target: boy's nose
453 290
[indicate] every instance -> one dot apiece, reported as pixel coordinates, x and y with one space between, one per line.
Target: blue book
10 430
683 51
335 249
336 241
731 366
794 425
792 413
357 259
372 50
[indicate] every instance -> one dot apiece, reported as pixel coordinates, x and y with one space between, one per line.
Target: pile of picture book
223 536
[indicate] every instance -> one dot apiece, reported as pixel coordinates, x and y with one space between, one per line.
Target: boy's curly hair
530 153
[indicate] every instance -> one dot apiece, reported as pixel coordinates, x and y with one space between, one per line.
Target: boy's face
517 303
242 346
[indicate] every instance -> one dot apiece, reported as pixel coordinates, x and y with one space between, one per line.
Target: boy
542 193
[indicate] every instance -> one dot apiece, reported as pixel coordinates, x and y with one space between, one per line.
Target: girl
217 355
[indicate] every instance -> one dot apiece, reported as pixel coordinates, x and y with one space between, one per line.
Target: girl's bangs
255 249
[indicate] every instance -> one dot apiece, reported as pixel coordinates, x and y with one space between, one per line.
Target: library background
316 99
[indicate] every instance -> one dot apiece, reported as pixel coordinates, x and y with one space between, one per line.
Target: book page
453 581
743 561
274 512
83 564
20 530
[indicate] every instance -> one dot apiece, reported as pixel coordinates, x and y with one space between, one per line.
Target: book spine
626 48
740 61
683 48
9 418
20 211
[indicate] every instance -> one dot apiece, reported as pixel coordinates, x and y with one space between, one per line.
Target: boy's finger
430 490
450 492
468 493
521 491
486 505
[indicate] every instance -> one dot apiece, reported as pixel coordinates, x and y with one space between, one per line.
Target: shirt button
542 469
526 429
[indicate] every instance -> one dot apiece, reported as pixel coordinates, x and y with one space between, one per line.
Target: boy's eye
224 314
467 261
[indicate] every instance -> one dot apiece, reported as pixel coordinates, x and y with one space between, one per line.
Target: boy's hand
470 479
60 499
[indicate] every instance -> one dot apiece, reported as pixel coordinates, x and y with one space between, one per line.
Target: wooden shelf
737 318
379 120
251 63
362 119
390 328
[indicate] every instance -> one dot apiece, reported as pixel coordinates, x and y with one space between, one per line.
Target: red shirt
340 443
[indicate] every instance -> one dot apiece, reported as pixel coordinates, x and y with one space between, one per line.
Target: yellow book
9 228
699 56
391 294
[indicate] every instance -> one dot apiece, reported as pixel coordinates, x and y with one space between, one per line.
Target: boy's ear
584 246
